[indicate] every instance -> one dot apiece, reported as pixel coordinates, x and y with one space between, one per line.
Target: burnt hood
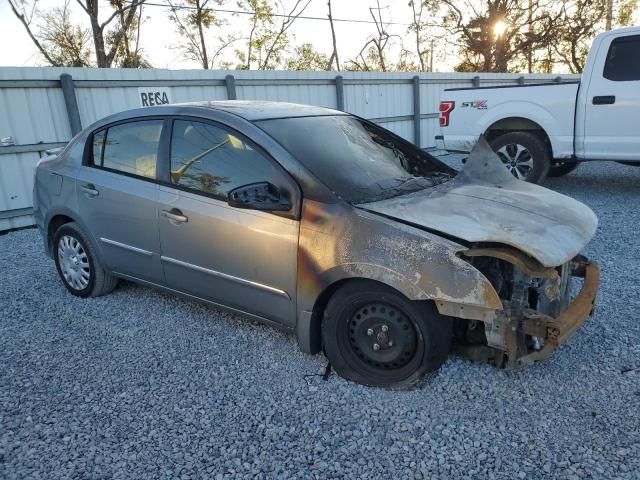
485 203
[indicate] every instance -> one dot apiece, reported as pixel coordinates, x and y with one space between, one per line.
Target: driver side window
213 160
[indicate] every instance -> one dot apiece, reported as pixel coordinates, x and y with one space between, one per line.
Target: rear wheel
560 169
524 154
78 265
375 336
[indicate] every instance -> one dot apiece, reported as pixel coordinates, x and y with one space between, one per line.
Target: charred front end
538 315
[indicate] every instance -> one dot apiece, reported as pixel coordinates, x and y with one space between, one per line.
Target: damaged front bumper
556 331
519 335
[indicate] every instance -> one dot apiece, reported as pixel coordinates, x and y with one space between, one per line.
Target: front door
612 131
243 259
118 197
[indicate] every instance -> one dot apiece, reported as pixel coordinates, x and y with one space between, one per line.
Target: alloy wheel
517 159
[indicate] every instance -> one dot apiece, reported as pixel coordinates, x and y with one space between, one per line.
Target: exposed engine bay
538 313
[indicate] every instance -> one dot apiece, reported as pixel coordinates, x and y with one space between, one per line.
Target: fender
561 140
528 111
61 210
340 242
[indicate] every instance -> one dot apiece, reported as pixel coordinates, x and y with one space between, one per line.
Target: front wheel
374 336
524 154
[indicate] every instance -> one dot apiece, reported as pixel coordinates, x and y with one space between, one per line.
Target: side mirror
262 196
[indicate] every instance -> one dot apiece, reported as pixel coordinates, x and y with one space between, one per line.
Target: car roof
253 110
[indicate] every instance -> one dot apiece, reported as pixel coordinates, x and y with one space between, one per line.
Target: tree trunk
203 46
609 15
334 55
97 33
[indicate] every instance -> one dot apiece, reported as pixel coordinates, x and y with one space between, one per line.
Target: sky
159 37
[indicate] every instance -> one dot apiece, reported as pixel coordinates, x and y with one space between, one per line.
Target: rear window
623 59
130 148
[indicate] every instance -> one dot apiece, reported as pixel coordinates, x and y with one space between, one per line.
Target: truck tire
375 336
524 154
560 169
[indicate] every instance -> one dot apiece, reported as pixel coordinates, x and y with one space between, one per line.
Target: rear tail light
445 110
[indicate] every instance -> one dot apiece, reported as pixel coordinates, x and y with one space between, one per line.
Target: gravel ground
141 384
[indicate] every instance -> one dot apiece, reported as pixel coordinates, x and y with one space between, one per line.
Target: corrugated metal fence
40 108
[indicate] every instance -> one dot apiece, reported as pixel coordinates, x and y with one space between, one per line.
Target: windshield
358 161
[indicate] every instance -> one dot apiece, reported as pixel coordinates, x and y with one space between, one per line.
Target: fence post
475 81
230 82
70 101
340 93
416 111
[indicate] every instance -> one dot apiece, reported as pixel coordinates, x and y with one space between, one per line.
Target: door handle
175 215
90 190
604 100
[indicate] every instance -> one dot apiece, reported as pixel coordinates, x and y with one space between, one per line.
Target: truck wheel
375 336
524 154
560 169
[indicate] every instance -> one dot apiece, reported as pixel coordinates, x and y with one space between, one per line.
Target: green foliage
128 53
306 57
268 39
196 23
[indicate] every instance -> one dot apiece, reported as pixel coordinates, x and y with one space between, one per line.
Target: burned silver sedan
323 223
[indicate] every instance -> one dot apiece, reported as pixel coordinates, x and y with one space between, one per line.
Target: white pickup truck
539 130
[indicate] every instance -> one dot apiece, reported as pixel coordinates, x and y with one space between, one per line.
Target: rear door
612 130
243 259
118 197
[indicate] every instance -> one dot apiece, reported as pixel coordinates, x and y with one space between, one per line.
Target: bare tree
126 13
268 38
26 14
280 37
417 27
107 35
609 22
334 54
581 21
499 35
194 20
128 51
372 56
59 41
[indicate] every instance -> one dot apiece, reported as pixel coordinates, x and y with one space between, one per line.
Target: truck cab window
623 59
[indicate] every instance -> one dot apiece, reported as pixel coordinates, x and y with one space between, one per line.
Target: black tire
628 163
84 267
524 154
560 169
414 344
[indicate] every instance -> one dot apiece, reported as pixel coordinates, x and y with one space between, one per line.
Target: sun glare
499 28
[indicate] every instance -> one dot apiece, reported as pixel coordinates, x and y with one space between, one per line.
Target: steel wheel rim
382 337
74 262
517 158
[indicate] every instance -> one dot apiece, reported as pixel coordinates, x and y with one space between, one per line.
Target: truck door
611 127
